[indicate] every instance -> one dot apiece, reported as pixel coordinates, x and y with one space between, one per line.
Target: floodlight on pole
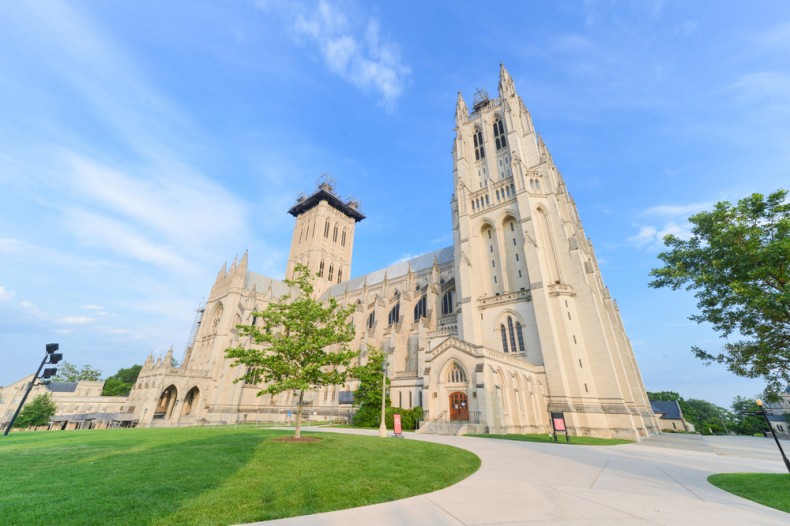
51 357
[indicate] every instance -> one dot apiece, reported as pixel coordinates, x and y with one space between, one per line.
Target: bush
410 418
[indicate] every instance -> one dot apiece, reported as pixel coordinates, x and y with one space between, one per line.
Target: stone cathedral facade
492 334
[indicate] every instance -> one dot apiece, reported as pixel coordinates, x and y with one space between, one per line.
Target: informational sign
397 424
558 424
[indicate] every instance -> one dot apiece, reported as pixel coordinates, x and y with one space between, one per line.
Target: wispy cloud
664 220
5 295
75 320
353 49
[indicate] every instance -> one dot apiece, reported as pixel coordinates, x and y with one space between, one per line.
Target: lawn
584 441
210 475
768 489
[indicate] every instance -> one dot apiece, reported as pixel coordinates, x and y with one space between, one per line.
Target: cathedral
504 331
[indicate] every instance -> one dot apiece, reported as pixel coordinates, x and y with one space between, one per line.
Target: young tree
738 261
121 383
68 372
368 395
37 413
295 333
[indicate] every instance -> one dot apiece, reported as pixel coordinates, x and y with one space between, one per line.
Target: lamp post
51 357
762 411
383 426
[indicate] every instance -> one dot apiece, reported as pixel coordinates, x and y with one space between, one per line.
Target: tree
37 413
368 395
745 423
121 383
68 372
295 333
738 261
707 418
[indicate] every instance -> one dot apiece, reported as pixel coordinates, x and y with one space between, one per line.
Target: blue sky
143 144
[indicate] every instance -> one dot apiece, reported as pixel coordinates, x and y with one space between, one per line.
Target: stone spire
506 86
461 111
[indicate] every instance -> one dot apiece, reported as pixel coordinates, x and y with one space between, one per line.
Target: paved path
658 481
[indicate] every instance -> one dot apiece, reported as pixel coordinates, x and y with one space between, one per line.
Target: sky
143 144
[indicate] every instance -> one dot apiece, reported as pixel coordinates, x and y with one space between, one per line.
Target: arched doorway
167 401
190 401
459 406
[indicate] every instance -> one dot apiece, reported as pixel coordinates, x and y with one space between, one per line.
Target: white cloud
5 295
671 219
675 211
355 52
9 245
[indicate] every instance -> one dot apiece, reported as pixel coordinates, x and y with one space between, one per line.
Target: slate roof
669 410
262 284
394 271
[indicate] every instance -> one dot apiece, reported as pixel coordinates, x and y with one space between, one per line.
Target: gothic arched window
419 309
520 334
456 375
339 275
394 316
504 337
512 334
372 320
343 238
499 134
321 269
478 141
331 272
448 303
326 229
334 234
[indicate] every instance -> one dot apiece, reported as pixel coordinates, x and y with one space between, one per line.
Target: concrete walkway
661 480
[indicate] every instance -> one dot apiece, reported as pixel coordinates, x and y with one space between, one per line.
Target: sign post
558 424
397 425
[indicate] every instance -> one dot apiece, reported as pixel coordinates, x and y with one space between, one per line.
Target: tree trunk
298 432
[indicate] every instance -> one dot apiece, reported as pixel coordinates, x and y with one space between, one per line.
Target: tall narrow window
478 141
520 334
419 309
321 270
339 275
326 229
331 272
394 315
372 320
334 234
504 337
512 334
448 302
343 238
499 134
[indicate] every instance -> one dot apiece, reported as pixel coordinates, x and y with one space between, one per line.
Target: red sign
396 421
559 424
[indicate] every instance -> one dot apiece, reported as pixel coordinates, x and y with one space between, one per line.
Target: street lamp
51 357
383 426
762 411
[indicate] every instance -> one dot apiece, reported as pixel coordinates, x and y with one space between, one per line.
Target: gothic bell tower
323 238
527 278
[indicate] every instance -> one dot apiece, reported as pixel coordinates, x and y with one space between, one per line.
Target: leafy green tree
747 424
367 396
738 262
707 418
37 413
294 335
68 372
121 383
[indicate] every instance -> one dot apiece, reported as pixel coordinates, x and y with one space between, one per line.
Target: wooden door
459 406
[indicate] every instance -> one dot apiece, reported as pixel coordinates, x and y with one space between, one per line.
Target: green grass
584 441
209 475
768 489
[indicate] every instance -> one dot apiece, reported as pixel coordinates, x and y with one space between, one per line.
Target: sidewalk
652 482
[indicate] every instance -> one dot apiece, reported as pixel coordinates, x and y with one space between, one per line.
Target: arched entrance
167 401
190 401
459 406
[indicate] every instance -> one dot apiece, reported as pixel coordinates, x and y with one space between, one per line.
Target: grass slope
209 475
584 441
768 489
